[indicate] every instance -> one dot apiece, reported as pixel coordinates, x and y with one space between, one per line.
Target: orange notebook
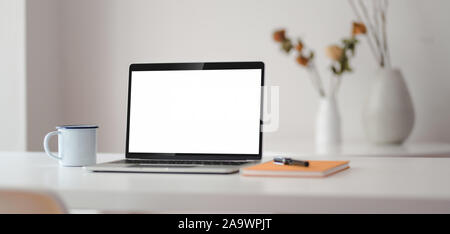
315 169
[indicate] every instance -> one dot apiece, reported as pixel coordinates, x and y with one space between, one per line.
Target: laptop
192 118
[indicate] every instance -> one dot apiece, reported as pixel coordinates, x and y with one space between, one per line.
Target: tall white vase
388 114
328 126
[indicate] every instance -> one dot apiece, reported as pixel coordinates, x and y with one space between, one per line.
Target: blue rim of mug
80 126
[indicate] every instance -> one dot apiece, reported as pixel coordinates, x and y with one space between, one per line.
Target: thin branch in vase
383 23
334 84
375 52
384 4
372 31
337 85
376 7
378 22
379 9
315 79
308 63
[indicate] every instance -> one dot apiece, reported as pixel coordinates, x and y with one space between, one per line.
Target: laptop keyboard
183 162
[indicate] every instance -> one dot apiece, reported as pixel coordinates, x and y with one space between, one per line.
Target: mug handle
47 148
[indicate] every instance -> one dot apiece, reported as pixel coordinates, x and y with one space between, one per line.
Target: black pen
290 161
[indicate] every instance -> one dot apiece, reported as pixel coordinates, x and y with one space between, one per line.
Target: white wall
12 75
44 75
95 41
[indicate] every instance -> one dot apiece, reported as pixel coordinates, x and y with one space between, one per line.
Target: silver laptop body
192 118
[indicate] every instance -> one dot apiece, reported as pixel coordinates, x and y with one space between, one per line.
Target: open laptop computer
192 118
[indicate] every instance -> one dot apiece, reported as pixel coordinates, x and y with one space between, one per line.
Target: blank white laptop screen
195 111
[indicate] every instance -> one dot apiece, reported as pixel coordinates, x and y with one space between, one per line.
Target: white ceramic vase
388 114
328 126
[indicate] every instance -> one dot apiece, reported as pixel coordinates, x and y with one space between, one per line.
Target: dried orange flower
334 52
299 46
302 60
358 28
279 35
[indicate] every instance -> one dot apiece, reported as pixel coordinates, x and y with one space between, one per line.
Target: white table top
371 185
361 149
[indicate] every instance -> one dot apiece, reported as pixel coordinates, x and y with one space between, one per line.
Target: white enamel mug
77 145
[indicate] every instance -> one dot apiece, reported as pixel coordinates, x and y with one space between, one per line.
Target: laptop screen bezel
194 66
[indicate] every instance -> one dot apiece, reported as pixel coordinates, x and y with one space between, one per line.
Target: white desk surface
361 149
371 185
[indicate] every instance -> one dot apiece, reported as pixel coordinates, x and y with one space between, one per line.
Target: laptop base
193 167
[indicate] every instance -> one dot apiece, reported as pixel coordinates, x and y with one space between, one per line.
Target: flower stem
315 79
